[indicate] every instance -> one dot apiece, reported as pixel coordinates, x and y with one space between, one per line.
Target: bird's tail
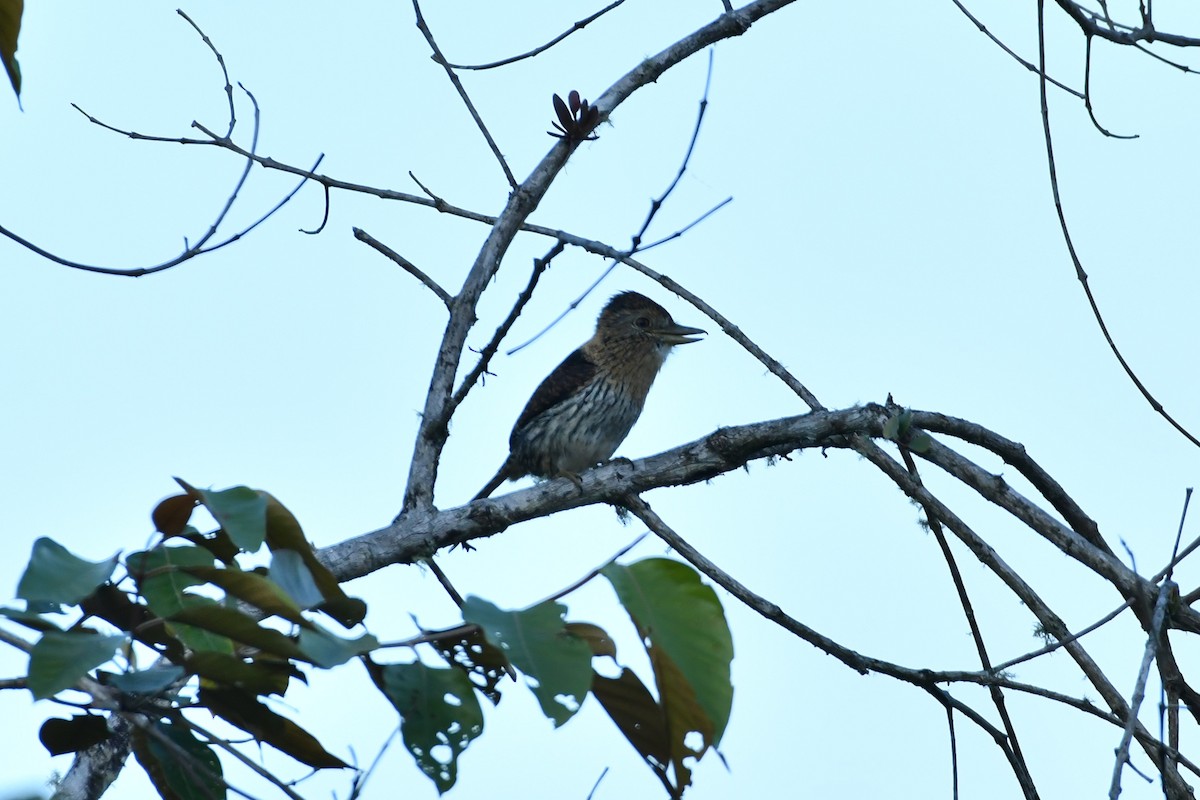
500 477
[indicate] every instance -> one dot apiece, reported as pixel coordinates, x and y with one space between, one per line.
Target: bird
586 407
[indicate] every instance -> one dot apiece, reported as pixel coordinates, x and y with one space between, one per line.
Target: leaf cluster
229 640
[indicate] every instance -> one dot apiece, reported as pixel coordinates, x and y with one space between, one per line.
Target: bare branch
1157 633
220 63
995 40
485 355
462 92
1016 759
408 266
578 26
190 251
1066 232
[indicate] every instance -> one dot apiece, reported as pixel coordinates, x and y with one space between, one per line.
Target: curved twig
578 26
1066 232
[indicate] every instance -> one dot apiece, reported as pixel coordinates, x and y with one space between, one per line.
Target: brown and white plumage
586 407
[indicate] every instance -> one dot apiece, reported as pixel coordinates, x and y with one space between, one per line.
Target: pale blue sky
891 231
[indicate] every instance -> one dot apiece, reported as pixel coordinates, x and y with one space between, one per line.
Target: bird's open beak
678 334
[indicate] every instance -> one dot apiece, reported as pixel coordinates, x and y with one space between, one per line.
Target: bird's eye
642 322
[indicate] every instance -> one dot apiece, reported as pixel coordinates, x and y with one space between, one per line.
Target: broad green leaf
161 580
59 660
233 624
685 625
260 592
242 710
326 650
292 575
35 622
70 735
10 29
284 533
556 663
188 770
241 512
55 575
146 681
438 710
232 672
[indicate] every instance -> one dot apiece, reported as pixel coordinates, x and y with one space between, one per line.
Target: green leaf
265 725
233 624
258 591
70 735
284 533
292 575
35 622
55 575
231 672
326 650
162 580
556 663
438 710
59 660
10 28
159 579
146 681
182 768
241 512
690 645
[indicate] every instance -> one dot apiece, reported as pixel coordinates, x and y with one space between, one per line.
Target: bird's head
636 318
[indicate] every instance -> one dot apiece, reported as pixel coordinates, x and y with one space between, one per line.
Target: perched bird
587 405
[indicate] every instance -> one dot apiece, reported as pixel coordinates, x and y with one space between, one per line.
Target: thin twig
578 26
485 355
1019 765
995 40
687 227
1087 92
1058 644
953 754
220 63
462 92
191 250
405 264
1062 221
561 593
1139 691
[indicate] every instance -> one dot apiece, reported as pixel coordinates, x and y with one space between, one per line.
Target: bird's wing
566 379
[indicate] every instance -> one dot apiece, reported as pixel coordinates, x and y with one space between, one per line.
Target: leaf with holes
557 664
439 712
687 638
